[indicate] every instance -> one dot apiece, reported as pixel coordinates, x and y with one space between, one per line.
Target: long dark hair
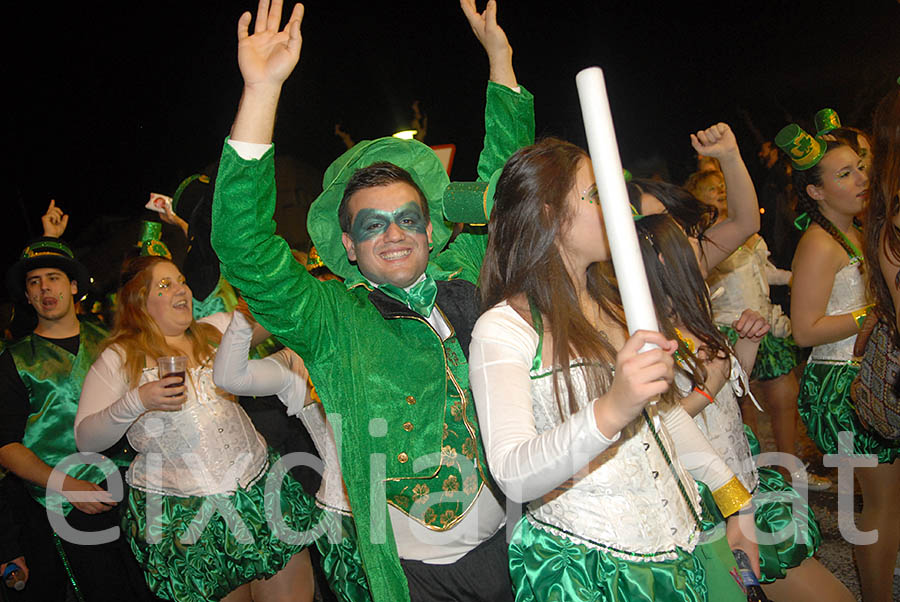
807 204
678 289
530 213
884 203
693 216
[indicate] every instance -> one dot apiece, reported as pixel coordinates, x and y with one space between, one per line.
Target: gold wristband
731 497
860 315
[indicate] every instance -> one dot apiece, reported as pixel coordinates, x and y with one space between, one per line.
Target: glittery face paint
370 223
591 195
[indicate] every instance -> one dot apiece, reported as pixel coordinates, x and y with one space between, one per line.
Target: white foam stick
623 243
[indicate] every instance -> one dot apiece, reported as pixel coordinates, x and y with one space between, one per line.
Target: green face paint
370 223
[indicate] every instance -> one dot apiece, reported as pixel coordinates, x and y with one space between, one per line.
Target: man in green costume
40 383
387 348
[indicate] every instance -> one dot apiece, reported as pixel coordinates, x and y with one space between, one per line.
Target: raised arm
743 207
281 294
494 41
266 59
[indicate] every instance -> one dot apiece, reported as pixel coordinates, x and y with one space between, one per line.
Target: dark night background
108 102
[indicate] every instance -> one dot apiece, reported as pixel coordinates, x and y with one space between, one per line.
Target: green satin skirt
341 562
775 357
216 562
546 567
787 529
826 409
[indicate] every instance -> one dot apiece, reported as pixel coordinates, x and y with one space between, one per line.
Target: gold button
410 400
407 426
402 458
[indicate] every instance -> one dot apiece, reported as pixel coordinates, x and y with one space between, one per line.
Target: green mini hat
826 120
470 202
150 242
418 159
804 150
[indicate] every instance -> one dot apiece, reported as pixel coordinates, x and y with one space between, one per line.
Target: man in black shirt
40 383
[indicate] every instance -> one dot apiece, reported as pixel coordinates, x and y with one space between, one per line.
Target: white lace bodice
848 293
627 500
722 424
740 282
209 446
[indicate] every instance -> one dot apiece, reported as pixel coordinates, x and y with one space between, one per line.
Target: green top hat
826 120
151 243
470 202
45 252
419 160
804 150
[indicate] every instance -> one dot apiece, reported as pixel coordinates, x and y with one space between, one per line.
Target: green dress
824 402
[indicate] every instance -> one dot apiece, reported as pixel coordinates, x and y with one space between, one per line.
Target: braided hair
807 204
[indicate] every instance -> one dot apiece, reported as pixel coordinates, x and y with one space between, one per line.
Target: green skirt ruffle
216 563
775 357
826 409
779 510
341 562
546 567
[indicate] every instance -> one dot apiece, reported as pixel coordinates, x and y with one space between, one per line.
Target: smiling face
50 292
169 300
583 242
844 186
389 234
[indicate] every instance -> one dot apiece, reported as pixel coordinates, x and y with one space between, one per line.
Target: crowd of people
451 363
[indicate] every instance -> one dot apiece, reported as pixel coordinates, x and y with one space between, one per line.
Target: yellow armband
731 497
860 315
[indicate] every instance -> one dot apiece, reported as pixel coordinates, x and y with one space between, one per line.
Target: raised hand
493 39
170 217
268 56
161 395
640 376
54 221
715 141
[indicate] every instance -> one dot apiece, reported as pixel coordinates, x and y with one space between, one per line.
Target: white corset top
209 446
848 293
721 423
739 282
626 501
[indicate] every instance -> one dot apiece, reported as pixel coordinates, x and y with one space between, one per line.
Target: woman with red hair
196 516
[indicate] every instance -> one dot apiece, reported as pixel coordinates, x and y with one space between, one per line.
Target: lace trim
670 554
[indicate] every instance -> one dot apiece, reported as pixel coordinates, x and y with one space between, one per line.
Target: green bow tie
420 297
